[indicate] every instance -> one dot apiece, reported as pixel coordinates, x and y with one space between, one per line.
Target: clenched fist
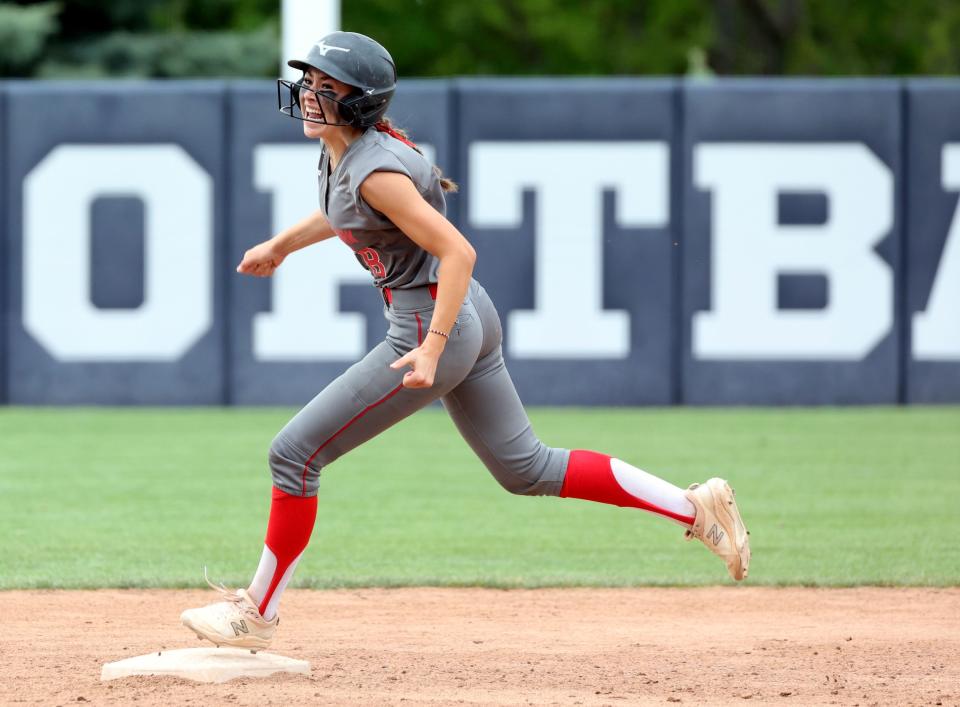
261 260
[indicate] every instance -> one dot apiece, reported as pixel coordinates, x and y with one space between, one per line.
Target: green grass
145 497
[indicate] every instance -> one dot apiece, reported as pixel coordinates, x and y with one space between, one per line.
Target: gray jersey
392 258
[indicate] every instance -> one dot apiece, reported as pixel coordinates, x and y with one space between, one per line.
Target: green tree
567 37
835 37
160 38
140 38
735 37
24 32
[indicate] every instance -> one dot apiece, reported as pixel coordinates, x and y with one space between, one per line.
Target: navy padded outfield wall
791 242
567 201
114 237
933 262
647 242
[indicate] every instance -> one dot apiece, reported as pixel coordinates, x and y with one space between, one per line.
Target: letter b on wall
751 250
791 242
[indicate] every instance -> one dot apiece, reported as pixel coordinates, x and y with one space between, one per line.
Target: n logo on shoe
239 627
715 534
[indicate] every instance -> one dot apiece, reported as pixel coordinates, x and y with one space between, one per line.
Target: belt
412 298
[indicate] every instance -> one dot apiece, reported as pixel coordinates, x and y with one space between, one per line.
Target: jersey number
372 259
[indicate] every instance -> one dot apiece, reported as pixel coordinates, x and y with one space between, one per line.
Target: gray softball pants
472 382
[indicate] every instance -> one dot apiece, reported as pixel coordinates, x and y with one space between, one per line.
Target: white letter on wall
569 179
305 323
178 291
936 331
750 249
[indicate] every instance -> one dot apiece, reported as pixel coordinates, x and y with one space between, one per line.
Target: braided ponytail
386 126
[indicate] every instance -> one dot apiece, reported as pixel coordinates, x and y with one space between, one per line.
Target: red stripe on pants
332 437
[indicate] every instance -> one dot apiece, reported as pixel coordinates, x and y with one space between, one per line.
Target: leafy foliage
823 37
435 37
169 55
140 38
23 33
502 37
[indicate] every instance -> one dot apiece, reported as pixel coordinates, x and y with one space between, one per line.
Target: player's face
321 108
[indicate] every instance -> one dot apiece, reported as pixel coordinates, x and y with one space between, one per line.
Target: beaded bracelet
439 333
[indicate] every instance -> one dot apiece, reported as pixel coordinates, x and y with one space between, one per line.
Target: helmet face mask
353 59
333 111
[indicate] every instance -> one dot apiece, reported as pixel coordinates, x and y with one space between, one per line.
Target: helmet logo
324 48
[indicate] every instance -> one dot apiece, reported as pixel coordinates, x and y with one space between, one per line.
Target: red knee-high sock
288 532
591 476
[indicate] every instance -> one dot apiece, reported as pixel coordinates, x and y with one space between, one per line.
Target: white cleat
235 621
718 525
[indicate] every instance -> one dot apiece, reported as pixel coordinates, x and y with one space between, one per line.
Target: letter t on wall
569 179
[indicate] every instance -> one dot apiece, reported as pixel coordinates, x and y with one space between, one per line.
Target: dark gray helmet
358 61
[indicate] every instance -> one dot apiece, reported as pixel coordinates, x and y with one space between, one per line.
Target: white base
205 665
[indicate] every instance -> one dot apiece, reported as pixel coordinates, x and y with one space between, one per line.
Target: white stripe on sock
652 489
271 610
264 575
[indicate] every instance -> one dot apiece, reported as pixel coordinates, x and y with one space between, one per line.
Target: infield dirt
720 645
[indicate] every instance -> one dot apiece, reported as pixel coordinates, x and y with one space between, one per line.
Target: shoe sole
203 632
725 508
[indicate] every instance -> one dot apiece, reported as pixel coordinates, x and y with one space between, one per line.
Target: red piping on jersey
419 329
431 288
384 128
356 417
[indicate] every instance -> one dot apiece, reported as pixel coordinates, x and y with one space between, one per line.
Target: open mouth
314 115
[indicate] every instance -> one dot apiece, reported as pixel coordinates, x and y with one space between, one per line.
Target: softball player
382 198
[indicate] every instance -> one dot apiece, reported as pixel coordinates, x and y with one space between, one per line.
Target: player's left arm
395 195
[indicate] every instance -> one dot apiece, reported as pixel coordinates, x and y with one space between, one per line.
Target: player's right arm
264 258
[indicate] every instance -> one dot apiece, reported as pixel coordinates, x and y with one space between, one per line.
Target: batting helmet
353 59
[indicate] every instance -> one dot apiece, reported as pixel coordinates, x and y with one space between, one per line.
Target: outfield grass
145 497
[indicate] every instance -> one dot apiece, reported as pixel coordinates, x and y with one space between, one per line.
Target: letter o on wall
178 293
